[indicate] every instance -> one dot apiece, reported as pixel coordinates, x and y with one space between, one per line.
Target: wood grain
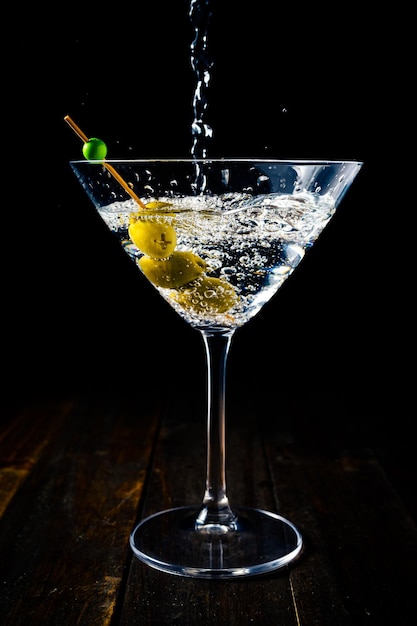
76 473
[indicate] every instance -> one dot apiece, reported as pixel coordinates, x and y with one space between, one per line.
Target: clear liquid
202 63
252 244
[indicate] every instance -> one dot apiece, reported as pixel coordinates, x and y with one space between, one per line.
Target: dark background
287 82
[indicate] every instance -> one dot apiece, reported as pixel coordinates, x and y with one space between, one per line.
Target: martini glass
217 238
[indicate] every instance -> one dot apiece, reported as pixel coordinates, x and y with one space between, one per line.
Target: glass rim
225 160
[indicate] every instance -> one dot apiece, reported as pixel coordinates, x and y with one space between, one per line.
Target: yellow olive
207 296
155 204
178 270
156 238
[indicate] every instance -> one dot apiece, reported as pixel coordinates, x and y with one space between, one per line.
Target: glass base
260 542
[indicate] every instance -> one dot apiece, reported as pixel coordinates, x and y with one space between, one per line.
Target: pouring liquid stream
201 62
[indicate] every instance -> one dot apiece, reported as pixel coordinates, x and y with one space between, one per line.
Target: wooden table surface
78 470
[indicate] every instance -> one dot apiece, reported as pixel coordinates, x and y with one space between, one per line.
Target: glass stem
215 514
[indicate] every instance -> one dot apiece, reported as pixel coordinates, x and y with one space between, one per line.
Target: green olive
156 238
94 149
207 296
176 271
